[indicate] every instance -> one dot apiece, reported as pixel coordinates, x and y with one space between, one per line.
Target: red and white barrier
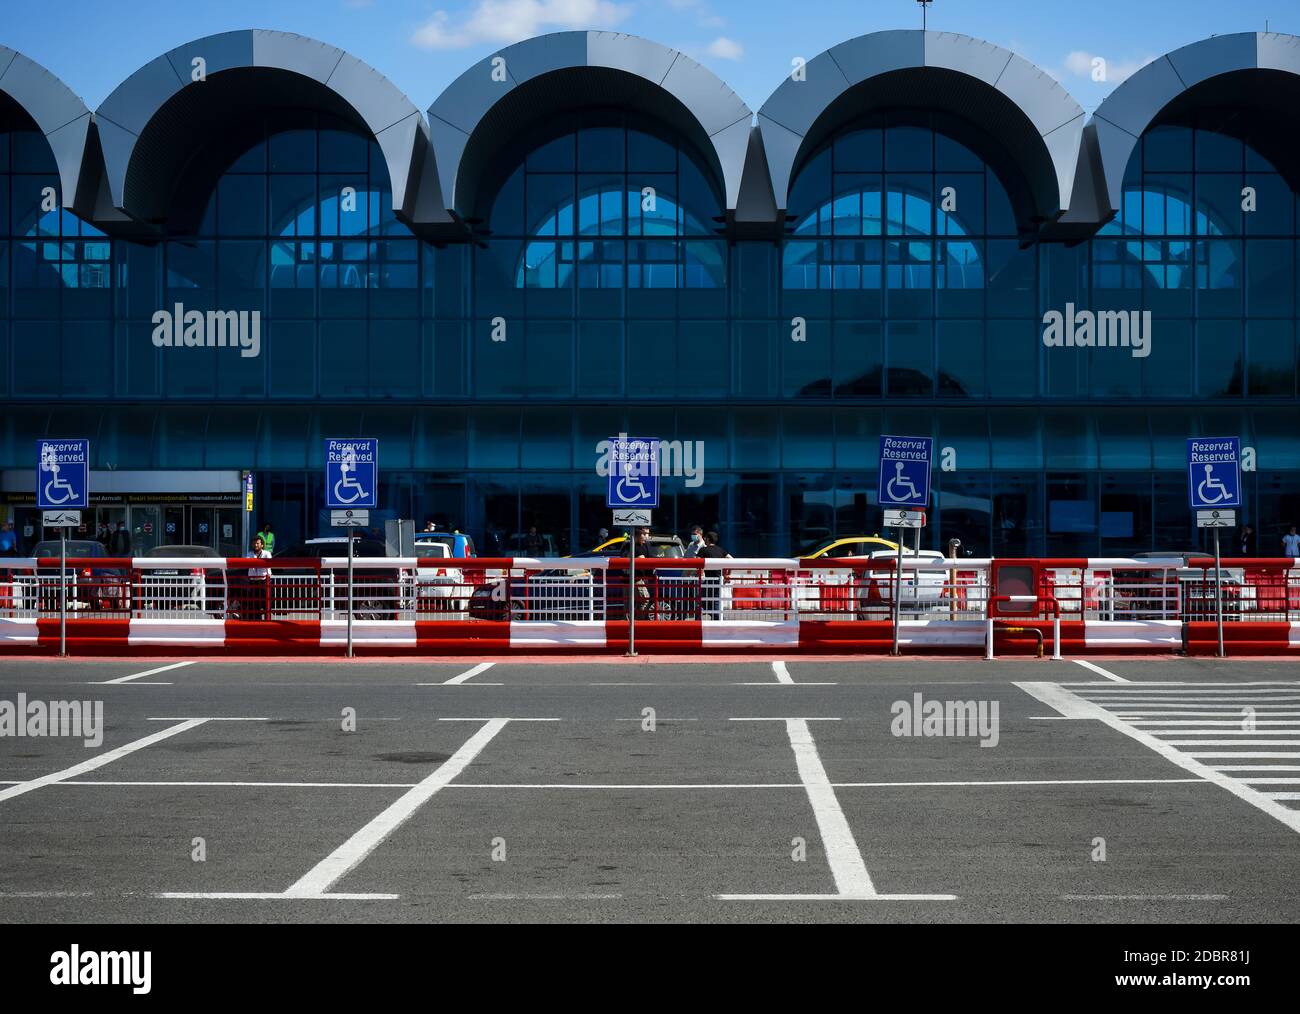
440 606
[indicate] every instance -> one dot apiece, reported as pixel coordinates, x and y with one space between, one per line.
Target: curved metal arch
459 116
1138 102
132 132
55 109
1033 111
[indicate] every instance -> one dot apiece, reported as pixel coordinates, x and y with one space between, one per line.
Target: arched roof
159 116
554 73
1019 107
59 114
1251 68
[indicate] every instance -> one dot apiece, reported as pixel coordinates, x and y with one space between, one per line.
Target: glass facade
601 295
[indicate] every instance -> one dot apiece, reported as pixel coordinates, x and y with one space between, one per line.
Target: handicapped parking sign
352 472
1214 472
62 474
633 472
904 471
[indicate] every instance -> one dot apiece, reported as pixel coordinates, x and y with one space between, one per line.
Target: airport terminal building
257 242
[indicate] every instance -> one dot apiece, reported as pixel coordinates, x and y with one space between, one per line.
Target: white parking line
468 674
1144 897
99 760
852 881
1099 670
1068 703
147 672
782 673
347 856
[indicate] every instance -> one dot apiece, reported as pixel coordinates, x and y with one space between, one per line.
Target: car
1142 594
921 587
661 547
517 545
189 587
378 594
438 588
459 545
847 546
89 587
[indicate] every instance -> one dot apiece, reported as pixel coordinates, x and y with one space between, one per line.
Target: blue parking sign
1214 472
63 474
351 472
904 471
633 472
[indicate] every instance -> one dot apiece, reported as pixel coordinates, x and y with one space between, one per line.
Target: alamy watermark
82 720
919 717
214 329
1086 329
680 458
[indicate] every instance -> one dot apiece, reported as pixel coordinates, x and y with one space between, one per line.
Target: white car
438 589
924 587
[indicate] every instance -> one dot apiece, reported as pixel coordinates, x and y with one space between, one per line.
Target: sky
422 45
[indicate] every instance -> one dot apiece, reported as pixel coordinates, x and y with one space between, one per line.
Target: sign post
1214 484
904 482
63 491
632 489
351 490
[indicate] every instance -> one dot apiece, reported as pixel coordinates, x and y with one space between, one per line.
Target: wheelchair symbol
346 481
50 463
631 482
1212 482
902 481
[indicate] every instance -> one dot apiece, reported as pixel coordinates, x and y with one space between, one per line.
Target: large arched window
608 208
1205 238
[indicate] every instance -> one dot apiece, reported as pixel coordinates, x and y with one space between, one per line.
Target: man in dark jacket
119 543
711 550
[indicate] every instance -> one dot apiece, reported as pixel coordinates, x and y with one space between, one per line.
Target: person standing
259 583
711 550
1291 544
1246 541
119 543
8 539
696 542
267 534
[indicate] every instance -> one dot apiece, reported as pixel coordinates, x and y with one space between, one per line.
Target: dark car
378 592
89 587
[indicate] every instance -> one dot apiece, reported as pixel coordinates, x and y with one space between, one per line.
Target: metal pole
916 575
898 588
1218 592
952 579
63 592
631 592
349 593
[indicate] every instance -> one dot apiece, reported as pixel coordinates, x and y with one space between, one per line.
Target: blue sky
421 45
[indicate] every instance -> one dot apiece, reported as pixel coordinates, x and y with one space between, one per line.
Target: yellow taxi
848 545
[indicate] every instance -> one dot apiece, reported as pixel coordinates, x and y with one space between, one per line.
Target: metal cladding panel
297 53
372 95
397 142
1064 145
972 57
460 111
782 147
635 55
1136 102
218 52
1211 57
57 111
1039 96
797 104
878 53
1279 52
133 102
715 105
526 60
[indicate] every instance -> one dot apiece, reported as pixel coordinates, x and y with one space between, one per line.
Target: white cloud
511 20
726 49
1080 64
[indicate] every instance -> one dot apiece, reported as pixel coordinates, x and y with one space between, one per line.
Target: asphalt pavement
632 791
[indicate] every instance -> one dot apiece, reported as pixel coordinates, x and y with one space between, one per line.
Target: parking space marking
468 674
1144 897
1069 702
782 673
320 878
1099 670
99 760
848 869
544 897
147 672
